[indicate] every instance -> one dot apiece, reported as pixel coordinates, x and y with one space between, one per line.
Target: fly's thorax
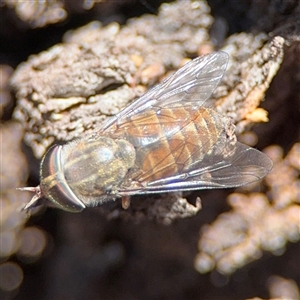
96 167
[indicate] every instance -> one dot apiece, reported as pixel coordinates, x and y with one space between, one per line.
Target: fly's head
53 185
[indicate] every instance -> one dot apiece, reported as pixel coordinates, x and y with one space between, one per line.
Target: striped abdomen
169 141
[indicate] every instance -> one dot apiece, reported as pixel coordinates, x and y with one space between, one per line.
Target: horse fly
167 140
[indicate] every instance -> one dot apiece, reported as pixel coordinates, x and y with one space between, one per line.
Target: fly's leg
125 202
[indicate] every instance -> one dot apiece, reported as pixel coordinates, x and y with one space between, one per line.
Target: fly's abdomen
169 141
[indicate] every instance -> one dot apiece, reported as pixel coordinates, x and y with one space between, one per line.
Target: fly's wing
190 85
244 166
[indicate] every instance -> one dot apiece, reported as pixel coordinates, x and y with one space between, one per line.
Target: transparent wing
190 85
245 166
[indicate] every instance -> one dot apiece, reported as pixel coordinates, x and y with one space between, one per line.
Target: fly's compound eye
53 182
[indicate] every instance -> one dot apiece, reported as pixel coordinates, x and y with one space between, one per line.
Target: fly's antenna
34 199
